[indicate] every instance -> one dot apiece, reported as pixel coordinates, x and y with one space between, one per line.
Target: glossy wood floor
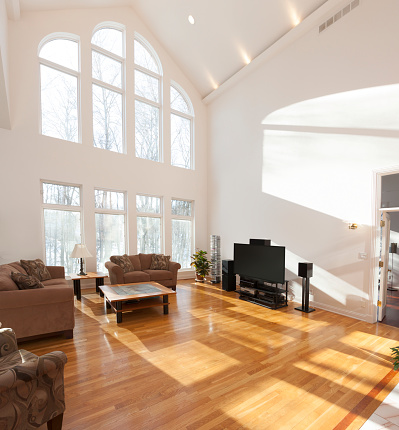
216 362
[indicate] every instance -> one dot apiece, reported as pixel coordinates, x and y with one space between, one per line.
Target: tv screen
265 263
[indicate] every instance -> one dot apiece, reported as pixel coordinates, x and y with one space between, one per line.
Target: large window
110 225
182 231
62 215
149 224
108 66
59 88
147 89
181 128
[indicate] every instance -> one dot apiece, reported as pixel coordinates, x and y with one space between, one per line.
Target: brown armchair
31 387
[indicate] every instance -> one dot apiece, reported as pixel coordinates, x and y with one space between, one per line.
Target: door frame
375 235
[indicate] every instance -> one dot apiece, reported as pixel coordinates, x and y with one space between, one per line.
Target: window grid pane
57 194
143 57
181 141
107 119
146 86
148 235
181 207
181 242
63 52
62 232
113 200
106 69
59 104
109 39
110 237
177 101
147 131
148 204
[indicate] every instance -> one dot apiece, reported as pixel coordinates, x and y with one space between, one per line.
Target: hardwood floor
216 362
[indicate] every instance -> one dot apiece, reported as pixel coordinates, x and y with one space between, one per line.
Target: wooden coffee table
128 297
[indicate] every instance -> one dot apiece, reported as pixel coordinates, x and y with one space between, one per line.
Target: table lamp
80 251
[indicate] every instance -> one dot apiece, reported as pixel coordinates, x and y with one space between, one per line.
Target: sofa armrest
8 342
116 275
174 267
56 271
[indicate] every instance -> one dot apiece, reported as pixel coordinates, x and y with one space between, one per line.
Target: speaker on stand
228 275
305 271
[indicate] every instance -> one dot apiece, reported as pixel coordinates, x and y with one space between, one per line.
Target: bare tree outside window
181 120
108 89
149 224
182 230
59 80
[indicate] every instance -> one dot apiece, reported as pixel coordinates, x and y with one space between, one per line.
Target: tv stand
267 294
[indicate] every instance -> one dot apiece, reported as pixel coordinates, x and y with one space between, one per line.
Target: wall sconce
352 226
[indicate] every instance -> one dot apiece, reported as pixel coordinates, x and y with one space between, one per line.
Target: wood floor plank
216 362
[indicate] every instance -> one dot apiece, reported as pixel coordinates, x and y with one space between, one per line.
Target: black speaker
264 242
305 270
228 276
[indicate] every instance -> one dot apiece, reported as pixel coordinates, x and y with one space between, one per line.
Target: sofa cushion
136 276
159 275
135 259
26 282
159 262
6 283
36 268
54 282
145 260
123 261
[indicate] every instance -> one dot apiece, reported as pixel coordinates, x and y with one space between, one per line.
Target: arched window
59 86
181 128
108 70
147 89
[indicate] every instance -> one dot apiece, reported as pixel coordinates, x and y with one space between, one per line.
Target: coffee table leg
118 306
76 288
99 282
165 307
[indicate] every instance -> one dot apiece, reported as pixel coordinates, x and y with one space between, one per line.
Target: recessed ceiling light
191 19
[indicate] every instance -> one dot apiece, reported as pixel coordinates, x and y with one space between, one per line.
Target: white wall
298 181
27 157
4 92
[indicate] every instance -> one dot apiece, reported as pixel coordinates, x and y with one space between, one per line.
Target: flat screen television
266 263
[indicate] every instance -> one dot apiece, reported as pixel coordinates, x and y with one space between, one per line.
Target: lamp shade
80 251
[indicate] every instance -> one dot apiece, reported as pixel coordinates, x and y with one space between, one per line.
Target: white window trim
122 60
186 218
69 208
114 212
159 104
153 215
63 69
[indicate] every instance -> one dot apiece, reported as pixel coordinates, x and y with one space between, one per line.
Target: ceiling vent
349 7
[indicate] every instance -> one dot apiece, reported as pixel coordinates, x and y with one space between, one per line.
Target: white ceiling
226 33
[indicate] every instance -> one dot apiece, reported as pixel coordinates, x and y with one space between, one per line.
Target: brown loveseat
33 312
143 273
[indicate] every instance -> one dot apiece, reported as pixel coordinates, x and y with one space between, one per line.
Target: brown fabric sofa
31 387
143 273
38 311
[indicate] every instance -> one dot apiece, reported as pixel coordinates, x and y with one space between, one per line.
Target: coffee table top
90 275
137 290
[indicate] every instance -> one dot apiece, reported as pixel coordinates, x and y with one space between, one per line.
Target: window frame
113 212
109 87
158 105
159 215
77 74
184 218
190 116
65 208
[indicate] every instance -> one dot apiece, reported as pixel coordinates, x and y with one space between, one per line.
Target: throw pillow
36 268
160 262
123 261
26 282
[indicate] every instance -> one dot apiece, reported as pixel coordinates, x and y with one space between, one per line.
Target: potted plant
395 357
201 265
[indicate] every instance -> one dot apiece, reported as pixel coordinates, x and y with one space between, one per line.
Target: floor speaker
228 276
